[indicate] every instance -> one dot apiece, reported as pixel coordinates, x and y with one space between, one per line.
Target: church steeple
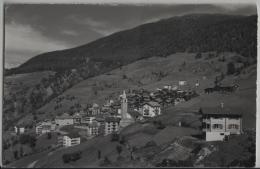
124 105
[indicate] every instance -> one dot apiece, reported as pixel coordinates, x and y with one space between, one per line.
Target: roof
134 113
73 135
219 111
153 104
95 105
77 116
112 119
94 124
64 116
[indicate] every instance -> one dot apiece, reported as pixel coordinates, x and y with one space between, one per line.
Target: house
151 109
88 119
168 87
95 110
69 140
111 125
19 129
93 129
77 118
45 127
219 123
182 83
64 119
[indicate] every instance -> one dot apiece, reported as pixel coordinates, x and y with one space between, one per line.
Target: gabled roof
112 119
152 104
64 116
73 135
219 111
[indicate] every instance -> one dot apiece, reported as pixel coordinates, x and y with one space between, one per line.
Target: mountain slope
192 33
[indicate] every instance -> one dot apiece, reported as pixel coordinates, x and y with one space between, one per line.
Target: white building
151 109
19 129
111 125
88 119
69 140
219 123
182 83
93 129
64 119
45 127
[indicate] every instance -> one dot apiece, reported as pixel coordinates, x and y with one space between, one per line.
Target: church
126 118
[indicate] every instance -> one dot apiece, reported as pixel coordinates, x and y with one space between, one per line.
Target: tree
66 158
200 110
99 154
107 161
49 136
21 151
119 149
231 68
198 56
114 137
16 154
122 140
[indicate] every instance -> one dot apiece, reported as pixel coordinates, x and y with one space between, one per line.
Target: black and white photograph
129 85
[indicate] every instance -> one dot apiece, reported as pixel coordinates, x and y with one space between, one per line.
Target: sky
32 29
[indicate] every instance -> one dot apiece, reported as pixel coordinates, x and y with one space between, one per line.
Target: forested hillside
190 33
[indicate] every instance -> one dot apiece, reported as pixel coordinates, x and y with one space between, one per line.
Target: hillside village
135 107
114 115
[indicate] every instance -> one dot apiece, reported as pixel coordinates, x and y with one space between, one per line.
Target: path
32 164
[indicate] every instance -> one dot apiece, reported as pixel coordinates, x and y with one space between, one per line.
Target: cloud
69 32
100 27
23 42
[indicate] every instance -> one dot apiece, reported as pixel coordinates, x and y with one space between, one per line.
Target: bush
114 137
27 139
198 56
71 157
231 68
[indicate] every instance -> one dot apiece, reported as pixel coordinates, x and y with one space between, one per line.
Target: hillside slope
154 73
191 33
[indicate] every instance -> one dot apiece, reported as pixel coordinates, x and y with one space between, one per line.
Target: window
146 112
222 134
217 126
233 126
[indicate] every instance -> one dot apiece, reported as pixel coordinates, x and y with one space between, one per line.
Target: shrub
119 149
71 156
231 68
198 56
49 136
114 137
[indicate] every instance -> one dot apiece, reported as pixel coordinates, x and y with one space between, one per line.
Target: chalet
151 109
219 123
95 109
111 125
64 119
45 127
77 118
69 140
